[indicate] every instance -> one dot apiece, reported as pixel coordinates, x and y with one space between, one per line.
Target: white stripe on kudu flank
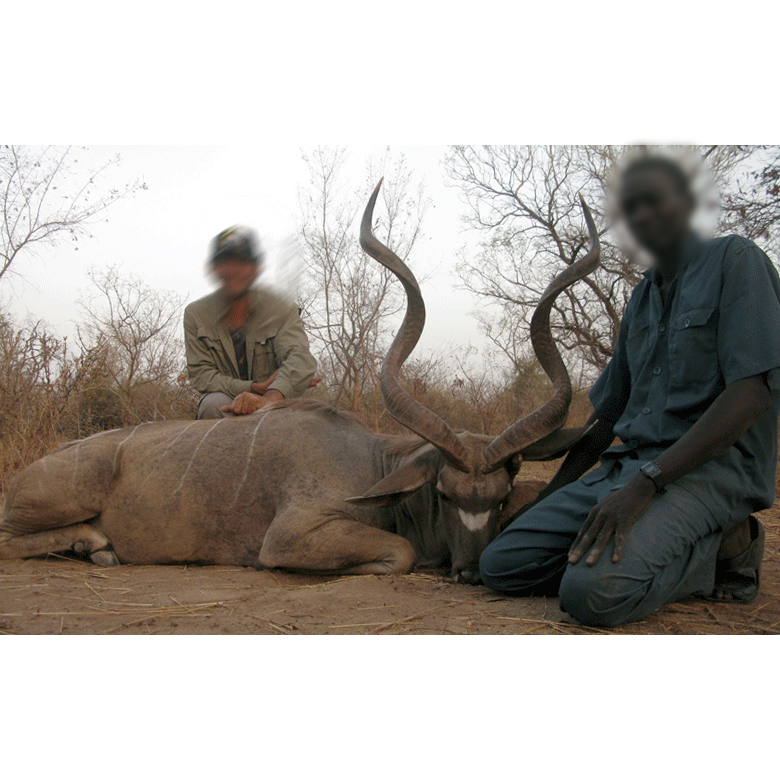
101 433
192 459
165 452
75 467
474 522
248 462
119 447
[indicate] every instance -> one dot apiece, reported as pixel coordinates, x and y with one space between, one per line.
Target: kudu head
471 476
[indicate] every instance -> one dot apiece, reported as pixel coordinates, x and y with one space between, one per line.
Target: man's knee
509 569
210 407
598 597
491 567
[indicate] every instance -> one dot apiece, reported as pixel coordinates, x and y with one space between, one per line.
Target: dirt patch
64 596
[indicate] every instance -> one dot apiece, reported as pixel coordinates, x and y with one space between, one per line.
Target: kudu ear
401 484
556 444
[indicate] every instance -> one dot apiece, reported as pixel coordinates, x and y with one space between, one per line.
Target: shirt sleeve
609 395
291 350
201 369
749 314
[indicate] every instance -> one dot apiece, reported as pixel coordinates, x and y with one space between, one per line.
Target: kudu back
299 485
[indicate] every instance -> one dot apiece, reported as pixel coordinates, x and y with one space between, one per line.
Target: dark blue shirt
720 323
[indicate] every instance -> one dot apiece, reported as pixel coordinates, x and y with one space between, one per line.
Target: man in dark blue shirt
693 393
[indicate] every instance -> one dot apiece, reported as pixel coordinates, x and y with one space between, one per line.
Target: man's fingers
585 527
601 542
620 540
585 537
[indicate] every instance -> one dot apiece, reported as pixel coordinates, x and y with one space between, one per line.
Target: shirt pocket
213 345
264 360
693 350
637 351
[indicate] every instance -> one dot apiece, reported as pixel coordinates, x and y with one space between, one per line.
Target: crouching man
246 347
693 393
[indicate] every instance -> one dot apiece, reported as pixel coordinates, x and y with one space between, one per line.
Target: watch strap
653 472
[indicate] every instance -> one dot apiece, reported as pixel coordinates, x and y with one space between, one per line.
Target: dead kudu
298 485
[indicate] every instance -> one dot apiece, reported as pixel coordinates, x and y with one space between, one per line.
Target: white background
411 73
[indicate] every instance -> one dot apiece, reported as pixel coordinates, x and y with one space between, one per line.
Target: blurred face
235 275
656 210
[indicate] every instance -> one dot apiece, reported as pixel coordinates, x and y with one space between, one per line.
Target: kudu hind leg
81 538
340 545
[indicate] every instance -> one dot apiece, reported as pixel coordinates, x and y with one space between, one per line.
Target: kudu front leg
81 538
315 545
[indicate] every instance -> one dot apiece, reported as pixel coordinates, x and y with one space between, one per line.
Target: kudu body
297 485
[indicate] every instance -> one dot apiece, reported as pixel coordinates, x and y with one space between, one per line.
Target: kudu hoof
104 558
468 578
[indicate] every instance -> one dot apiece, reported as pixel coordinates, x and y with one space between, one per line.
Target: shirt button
656 371
661 328
646 410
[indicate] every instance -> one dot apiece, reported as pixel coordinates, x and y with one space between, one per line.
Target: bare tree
752 205
347 297
524 200
136 329
44 196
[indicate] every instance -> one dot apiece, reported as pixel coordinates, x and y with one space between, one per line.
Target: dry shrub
35 390
479 399
50 394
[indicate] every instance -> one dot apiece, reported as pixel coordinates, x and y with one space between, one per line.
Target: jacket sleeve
201 367
291 351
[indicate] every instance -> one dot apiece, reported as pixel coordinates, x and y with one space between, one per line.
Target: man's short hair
658 162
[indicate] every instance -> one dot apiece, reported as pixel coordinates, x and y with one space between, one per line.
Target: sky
162 233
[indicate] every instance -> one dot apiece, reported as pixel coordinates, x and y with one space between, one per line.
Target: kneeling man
693 393
246 347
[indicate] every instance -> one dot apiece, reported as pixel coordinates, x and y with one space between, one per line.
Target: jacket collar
221 302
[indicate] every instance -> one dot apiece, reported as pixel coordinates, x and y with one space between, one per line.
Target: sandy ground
58 595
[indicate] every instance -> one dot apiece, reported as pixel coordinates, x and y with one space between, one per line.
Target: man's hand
247 403
259 388
614 515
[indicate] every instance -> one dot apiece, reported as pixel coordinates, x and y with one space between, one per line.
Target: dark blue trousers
670 552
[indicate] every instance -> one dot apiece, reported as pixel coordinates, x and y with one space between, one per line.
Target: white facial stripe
474 522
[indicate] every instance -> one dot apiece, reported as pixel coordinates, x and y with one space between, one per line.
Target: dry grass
62 595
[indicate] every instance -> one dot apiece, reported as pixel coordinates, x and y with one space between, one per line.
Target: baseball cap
236 241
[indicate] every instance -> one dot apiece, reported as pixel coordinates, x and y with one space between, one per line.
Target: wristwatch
653 472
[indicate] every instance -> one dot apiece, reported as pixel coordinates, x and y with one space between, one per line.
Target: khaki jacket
275 338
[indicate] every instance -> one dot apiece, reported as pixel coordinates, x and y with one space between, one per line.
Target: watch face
653 471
